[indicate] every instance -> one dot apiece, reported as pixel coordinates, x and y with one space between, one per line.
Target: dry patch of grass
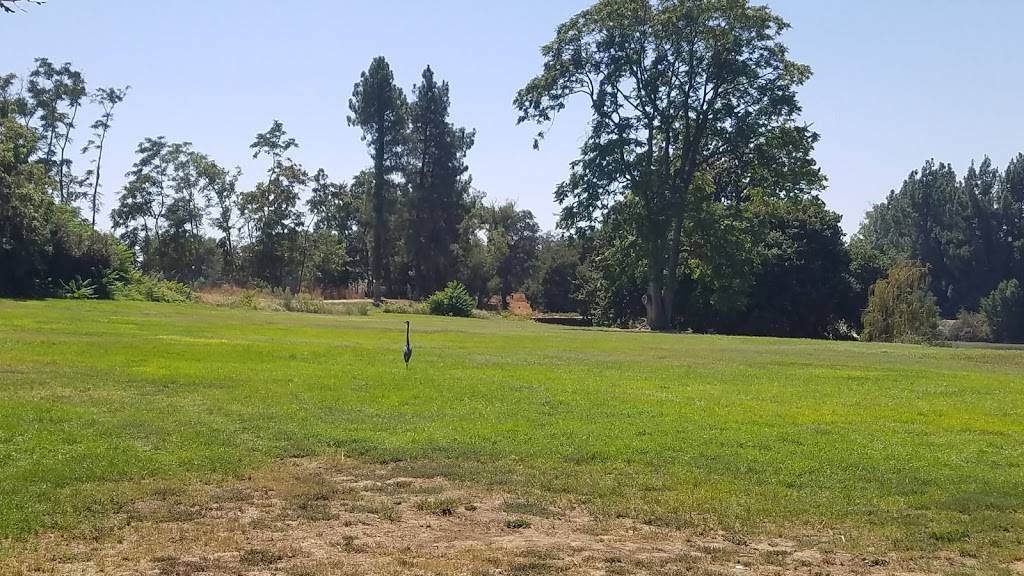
305 517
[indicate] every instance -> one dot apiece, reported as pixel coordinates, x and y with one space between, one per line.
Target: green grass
894 447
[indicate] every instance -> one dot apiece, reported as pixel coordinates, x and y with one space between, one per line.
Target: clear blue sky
895 83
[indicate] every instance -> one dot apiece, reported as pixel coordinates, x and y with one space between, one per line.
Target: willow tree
678 90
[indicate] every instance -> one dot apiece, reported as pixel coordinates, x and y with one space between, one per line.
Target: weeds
443 506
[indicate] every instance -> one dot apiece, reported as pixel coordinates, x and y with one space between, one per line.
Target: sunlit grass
908 448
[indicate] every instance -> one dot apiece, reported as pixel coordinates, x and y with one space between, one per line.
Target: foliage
412 215
54 96
553 287
78 289
137 285
800 286
349 308
454 300
867 266
391 307
43 244
378 106
107 99
512 242
901 308
303 303
311 305
1004 308
968 327
681 92
438 185
769 266
969 231
271 212
611 279
248 300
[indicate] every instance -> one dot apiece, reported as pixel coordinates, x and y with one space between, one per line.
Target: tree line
694 202
403 227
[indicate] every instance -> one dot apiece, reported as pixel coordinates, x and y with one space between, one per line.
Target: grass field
892 447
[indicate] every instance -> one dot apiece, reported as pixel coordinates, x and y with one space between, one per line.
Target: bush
134 285
78 289
404 308
349 309
454 300
968 327
303 303
1004 308
248 300
901 308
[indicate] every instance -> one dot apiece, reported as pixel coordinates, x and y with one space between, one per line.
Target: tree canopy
680 92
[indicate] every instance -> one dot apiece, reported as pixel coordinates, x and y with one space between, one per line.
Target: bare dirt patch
306 517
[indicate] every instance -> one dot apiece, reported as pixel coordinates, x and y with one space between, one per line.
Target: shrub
968 327
134 285
303 303
248 300
901 308
454 300
404 308
1004 308
349 309
78 289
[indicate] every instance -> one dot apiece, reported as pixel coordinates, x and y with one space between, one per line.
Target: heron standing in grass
407 353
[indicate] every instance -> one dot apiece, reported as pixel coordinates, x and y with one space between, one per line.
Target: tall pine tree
380 109
438 185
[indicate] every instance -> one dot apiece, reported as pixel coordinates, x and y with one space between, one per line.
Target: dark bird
407 353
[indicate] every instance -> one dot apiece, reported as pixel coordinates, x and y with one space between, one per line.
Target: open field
899 456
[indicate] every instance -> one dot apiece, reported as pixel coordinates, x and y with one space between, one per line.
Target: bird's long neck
406 334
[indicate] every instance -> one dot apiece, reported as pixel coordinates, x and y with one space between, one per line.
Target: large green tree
513 241
56 94
676 88
223 185
379 108
438 185
968 232
335 251
800 283
1010 206
926 221
271 210
142 205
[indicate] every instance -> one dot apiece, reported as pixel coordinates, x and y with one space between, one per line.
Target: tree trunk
658 318
658 314
662 278
96 181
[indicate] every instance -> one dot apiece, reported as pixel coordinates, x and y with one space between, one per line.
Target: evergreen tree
378 107
438 185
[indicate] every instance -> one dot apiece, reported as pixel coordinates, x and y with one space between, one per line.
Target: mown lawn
888 447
